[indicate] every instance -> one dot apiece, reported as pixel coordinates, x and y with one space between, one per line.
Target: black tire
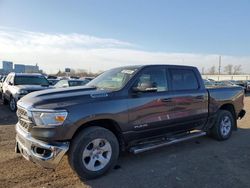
82 142
5 102
12 104
222 129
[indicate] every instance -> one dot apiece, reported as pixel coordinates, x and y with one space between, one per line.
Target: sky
97 35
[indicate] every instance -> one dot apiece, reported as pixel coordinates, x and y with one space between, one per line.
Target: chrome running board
149 146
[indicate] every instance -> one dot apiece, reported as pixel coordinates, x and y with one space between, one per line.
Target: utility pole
203 71
219 64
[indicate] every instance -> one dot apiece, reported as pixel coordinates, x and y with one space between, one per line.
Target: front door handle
200 97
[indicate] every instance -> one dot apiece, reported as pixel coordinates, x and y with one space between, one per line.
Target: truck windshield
31 80
114 79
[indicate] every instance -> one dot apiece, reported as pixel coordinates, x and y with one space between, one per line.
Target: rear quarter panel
226 95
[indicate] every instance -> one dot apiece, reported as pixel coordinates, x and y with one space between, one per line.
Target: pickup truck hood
62 97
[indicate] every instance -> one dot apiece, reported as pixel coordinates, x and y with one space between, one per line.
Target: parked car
17 85
235 82
52 79
224 83
208 83
70 83
241 83
74 77
1 83
88 78
247 85
53 82
135 108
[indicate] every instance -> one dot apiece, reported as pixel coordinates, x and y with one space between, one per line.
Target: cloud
17 40
78 51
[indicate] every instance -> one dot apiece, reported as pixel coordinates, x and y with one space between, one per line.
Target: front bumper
42 153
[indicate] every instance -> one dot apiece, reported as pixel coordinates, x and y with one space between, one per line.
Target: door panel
191 109
149 111
190 99
183 106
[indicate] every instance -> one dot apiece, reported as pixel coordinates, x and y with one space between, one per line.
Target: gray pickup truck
134 108
17 85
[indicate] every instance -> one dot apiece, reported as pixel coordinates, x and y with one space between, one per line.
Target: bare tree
237 69
77 72
228 69
60 73
81 72
212 70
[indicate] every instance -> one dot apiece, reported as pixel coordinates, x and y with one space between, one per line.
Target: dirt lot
202 162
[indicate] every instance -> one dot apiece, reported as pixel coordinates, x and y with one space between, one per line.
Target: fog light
42 152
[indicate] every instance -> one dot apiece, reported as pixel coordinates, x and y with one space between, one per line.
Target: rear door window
183 79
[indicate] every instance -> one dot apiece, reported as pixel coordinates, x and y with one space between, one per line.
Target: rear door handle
166 100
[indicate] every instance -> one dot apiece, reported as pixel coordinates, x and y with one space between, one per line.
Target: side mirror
10 83
145 87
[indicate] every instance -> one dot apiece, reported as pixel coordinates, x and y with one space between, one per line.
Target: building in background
226 77
19 68
31 69
7 67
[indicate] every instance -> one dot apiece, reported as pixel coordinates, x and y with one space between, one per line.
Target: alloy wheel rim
226 126
12 104
97 154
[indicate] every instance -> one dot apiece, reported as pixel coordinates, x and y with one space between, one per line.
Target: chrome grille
24 121
22 112
24 124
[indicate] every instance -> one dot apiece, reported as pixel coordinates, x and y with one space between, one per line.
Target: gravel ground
202 162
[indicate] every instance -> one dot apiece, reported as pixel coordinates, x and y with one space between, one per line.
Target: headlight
22 92
49 118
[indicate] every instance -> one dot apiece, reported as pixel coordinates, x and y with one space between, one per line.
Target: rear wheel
12 104
222 130
93 152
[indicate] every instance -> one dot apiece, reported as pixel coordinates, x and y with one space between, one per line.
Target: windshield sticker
128 71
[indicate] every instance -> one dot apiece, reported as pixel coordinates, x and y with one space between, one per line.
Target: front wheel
222 129
93 152
12 104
